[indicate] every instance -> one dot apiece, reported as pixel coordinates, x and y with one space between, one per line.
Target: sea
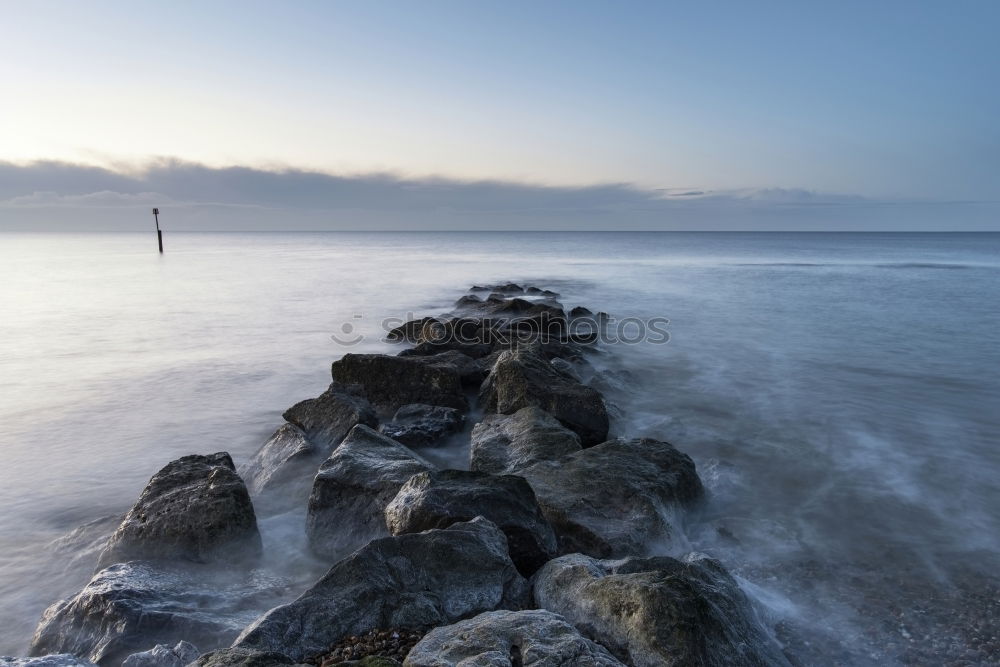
839 393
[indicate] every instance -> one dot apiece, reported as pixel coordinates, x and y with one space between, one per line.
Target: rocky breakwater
505 563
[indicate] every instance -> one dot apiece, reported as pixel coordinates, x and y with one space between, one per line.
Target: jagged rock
409 332
390 382
353 487
468 300
469 372
423 579
195 508
283 467
61 660
614 500
523 377
506 444
538 638
419 425
326 419
658 611
129 607
163 655
439 499
565 368
580 311
241 657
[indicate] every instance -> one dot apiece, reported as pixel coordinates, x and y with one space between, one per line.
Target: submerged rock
523 377
283 468
419 425
390 382
415 580
506 444
195 508
439 499
353 487
129 607
329 417
534 638
162 655
614 500
61 660
658 611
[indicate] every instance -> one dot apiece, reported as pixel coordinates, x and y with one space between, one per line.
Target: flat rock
615 499
352 488
658 611
537 638
329 417
416 580
390 382
162 655
439 499
128 607
523 377
419 425
506 444
195 508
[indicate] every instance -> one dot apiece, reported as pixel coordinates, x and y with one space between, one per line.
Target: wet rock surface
283 466
658 611
615 499
419 425
439 499
128 607
352 488
196 508
389 382
329 417
61 660
523 378
241 657
533 638
414 580
161 655
506 444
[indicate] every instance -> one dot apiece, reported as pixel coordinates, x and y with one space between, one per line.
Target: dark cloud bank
58 196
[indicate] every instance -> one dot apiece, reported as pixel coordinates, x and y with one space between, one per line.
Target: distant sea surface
839 393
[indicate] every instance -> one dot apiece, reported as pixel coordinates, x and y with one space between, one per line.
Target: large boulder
60 660
416 580
533 638
353 487
420 425
195 508
658 611
439 499
615 499
506 444
161 655
329 417
390 382
523 377
129 607
282 469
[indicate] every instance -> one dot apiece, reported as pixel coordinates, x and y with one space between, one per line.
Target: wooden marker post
159 234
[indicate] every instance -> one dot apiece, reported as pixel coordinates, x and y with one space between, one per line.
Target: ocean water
838 392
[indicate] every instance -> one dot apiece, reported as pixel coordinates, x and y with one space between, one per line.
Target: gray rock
439 499
523 377
658 611
615 499
538 637
162 655
129 607
506 444
389 382
281 471
329 417
242 657
195 508
61 660
353 487
419 425
424 579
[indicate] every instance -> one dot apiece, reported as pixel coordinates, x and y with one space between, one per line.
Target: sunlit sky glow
889 100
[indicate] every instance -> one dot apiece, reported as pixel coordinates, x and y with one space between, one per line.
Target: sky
458 114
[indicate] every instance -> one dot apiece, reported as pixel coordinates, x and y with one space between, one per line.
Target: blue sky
889 101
